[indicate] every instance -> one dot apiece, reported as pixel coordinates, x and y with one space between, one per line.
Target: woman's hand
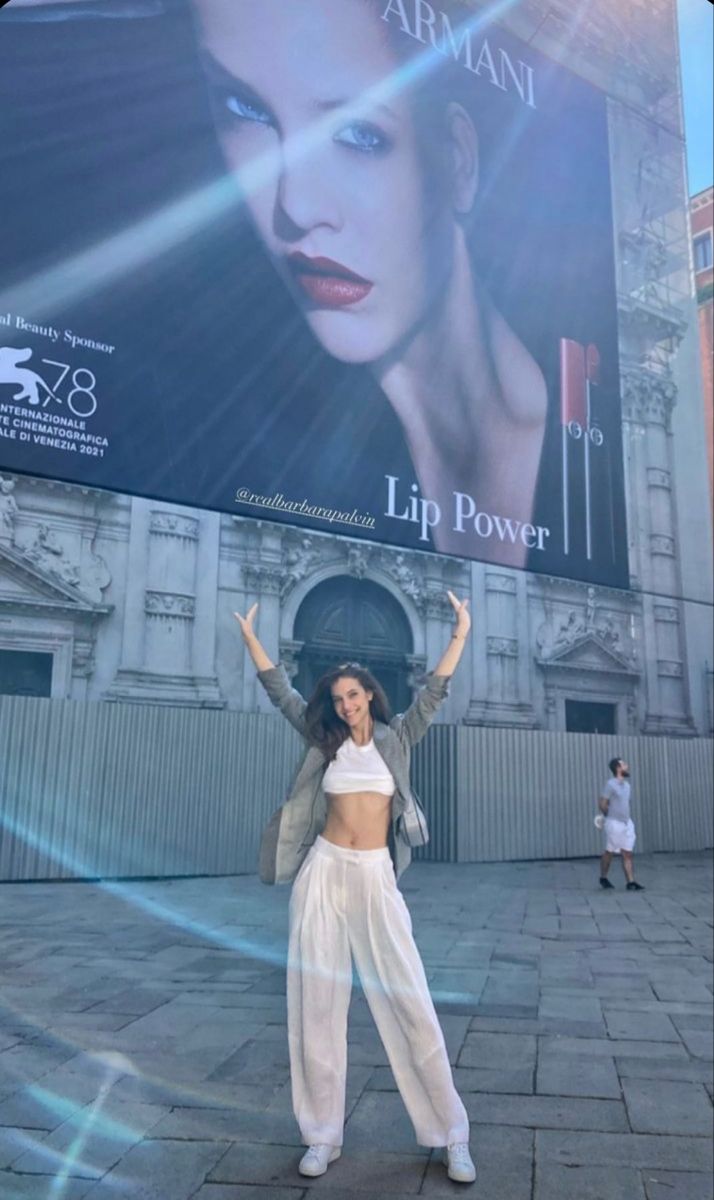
246 622
463 617
260 659
450 658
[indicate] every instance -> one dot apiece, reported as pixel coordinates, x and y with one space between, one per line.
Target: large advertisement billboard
345 264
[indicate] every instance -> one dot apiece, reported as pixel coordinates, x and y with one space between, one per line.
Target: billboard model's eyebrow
350 101
220 75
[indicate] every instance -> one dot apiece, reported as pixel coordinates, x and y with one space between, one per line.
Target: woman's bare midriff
358 820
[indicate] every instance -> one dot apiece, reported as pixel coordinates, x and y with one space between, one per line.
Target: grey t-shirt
617 791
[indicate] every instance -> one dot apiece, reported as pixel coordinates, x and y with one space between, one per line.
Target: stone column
503 703
438 615
479 667
263 578
668 709
169 574
132 649
205 624
170 599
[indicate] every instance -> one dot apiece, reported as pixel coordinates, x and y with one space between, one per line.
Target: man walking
620 836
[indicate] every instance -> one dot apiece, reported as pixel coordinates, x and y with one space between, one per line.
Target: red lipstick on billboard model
328 284
592 379
573 415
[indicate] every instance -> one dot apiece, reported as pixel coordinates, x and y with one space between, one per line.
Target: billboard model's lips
327 283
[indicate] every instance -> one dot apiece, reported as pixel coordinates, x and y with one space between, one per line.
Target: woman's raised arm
421 712
254 647
449 660
273 678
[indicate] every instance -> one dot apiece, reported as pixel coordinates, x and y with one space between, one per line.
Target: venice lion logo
32 386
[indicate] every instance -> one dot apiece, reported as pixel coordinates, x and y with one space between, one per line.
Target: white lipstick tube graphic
592 379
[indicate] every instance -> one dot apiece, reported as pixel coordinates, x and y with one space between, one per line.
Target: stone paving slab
667 1107
626 1150
39 1187
143 1048
577 1076
678 1185
547 1112
691 1071
239 1191
160 1171
556 1182
358 1170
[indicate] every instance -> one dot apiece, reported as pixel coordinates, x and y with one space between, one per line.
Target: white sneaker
459 1164
317 1159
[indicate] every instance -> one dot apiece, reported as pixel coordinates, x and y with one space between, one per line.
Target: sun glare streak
129 893
117 256
517 128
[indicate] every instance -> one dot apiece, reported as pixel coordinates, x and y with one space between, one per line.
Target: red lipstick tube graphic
573 415
579 374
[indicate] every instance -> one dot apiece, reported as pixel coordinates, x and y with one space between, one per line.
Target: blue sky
696 39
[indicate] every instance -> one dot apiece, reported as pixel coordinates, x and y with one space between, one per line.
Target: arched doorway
347 619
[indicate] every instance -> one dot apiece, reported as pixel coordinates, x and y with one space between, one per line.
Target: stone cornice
45 591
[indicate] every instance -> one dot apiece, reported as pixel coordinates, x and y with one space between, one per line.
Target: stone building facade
701 209
119 599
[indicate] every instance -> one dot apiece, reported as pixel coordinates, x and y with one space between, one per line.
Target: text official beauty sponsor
52 398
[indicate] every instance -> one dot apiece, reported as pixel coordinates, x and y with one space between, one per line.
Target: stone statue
8 509
47 554
406 579
95 578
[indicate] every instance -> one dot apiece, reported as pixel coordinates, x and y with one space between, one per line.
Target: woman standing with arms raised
331 837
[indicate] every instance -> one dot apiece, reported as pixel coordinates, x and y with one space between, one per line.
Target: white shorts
619 835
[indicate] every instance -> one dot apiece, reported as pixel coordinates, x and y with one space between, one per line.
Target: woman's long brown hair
325 729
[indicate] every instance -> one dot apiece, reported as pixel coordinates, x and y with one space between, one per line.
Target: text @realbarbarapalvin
406 504
279 503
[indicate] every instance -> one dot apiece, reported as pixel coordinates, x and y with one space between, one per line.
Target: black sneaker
605 883
634 887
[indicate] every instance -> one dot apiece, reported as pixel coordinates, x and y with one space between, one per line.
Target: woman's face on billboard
325 147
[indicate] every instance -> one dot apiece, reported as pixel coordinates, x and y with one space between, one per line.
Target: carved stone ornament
263 579
170 604
559 633
358 561
648 398
502 647
438 605
302 555
659 478
289 656
497 582
405 575
670 668
83 661
95 578
662 544
47 553
174 525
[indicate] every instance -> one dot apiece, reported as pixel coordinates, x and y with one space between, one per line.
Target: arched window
346 619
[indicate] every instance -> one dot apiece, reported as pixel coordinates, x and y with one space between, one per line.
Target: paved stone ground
143 1049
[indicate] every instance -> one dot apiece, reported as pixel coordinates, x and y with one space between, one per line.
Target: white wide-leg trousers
345 904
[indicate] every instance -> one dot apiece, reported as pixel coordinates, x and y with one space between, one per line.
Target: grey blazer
294 827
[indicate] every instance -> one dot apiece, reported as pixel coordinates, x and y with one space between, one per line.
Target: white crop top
358 769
